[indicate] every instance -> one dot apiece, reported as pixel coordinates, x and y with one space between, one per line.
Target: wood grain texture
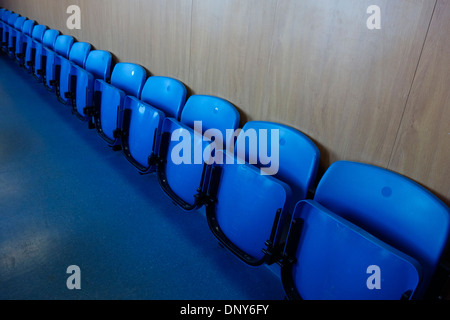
153 33
422 148
339 82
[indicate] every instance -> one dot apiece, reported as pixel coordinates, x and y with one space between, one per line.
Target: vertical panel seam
411 87
189 76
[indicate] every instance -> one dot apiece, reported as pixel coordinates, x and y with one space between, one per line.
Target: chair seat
83 80
182 168
246 206
61 51
77 57
390 206
184 163
338 260
111 101
126 79
84 92
143 120
143 128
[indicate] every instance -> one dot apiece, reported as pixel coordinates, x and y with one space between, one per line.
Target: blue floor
67 199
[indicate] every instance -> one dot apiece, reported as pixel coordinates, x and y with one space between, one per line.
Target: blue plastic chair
33 43
245 214
77 57
2 11
42 49
127 79
9 18
4 22
23 40
181 176
98 66
143 118
14 35
408 225
63 44
18 46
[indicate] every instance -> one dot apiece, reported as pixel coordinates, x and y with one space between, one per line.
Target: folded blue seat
97 66
23 40
127 79
337 260
4 16
250 196
42 49
185 142
8 30
365 222
141 127
33 43
61 50
77 57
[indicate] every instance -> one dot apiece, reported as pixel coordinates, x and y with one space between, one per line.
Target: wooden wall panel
339 82
153 33
422 149
230 49
167 25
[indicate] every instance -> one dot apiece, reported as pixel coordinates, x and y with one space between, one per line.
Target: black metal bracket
68 95
199 198
288 259
273 251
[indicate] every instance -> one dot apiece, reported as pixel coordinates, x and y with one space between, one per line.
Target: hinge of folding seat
202 198
68 95
153 159
287 258
273 251
207 193
90 111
